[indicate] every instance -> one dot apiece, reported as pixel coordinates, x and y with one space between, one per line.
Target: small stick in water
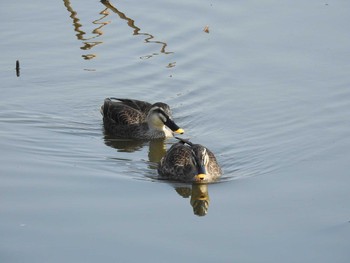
17 68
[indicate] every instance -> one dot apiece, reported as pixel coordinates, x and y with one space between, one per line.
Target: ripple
253 110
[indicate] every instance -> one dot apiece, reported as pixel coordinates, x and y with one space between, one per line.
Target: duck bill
172 126
199 177
202 174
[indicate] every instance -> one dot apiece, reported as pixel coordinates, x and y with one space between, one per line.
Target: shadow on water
89 44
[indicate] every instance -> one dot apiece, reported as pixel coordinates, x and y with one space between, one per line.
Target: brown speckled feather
138 105
179 163
127 118
122 113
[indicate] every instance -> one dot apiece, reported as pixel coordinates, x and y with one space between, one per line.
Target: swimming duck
135 119
188 162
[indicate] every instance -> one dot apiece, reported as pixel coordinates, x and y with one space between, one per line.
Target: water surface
267 90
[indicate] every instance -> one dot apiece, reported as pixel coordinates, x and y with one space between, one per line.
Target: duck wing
139 105
121 113
213 166
178 163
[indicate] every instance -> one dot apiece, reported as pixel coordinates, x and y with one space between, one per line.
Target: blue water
266 90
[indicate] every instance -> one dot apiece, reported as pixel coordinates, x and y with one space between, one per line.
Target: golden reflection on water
199 197
89 44
97 32
149 38
157 148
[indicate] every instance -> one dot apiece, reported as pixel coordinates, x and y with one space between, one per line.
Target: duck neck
155 132
168 133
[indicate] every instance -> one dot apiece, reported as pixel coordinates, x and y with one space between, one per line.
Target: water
266 90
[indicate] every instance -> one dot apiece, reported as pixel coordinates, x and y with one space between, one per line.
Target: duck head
159 118
201 161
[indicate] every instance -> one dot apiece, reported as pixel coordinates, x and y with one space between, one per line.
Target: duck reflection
97 32
199 197
198 193
156 150
124 145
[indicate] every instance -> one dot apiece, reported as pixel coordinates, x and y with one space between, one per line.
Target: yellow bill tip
200 177
180 131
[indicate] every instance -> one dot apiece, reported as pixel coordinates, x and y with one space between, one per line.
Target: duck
190 163
136 119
